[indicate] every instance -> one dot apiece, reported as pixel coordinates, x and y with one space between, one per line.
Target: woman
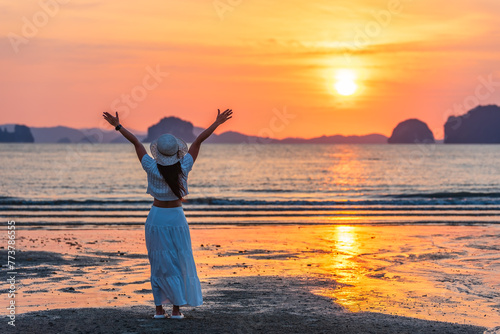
173 271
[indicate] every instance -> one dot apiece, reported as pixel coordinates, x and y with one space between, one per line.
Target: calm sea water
79 184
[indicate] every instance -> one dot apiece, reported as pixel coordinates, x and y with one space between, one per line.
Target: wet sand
265 304
324 279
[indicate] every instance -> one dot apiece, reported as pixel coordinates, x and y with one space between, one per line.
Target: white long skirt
173 271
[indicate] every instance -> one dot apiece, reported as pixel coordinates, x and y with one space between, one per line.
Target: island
21 134
411 131
480 125
173 125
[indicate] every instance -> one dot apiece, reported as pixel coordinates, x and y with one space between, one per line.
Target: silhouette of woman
173 271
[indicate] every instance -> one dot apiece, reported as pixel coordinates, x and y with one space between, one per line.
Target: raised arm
221 118
115 121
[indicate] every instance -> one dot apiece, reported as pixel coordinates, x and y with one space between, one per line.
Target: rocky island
480 125
411 131
21 134
173 125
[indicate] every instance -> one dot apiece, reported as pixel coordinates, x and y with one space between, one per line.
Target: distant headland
21 134
185 130
480 125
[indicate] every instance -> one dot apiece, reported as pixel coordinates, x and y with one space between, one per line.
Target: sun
345 84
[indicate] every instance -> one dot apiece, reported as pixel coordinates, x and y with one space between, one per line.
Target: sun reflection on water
417 272
344 249
343 263
345 238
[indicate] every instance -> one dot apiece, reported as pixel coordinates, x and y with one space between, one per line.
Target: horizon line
142 132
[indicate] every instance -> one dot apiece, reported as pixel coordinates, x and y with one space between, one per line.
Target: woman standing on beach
173 271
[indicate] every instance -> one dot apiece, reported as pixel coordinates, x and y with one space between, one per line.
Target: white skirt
173 270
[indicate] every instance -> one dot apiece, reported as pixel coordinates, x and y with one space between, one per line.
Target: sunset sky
64 62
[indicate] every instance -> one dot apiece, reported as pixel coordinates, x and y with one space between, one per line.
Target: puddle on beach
445 273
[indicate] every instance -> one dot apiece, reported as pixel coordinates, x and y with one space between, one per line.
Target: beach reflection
343 263
446 273
417 271
345 236
357 263
344 248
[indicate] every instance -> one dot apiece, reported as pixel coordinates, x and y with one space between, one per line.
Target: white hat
168 149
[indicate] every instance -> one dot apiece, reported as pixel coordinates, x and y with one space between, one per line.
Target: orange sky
63 62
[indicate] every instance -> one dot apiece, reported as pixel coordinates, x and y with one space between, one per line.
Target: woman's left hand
111 120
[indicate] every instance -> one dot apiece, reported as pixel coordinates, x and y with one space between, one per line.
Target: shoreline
136 226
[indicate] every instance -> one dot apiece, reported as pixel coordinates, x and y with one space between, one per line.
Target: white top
157 187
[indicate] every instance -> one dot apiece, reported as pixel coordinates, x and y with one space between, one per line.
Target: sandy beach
322 279
268 304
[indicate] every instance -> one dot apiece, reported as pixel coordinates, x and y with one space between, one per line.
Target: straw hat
168 149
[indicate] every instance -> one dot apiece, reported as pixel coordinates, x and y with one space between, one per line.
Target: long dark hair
172 175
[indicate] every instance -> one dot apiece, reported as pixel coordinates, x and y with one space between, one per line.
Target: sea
409 230
72 185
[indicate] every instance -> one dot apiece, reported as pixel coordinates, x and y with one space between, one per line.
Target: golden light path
416 271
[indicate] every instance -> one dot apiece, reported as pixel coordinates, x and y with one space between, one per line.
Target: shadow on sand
255 304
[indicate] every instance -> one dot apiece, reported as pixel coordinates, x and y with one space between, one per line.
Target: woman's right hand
114 121
221 118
